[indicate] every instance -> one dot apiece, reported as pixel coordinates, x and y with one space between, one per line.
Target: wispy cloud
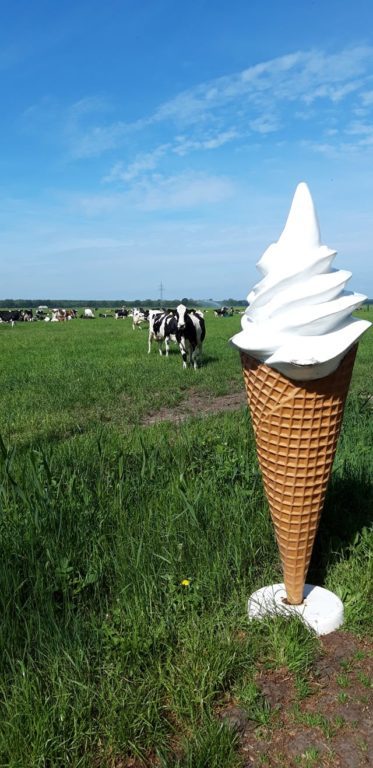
367 98
265 124
180 146
146 161
258 97
93 206
184 144
187 190
304 76
363 133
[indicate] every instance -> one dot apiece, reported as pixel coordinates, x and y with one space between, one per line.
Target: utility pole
161 293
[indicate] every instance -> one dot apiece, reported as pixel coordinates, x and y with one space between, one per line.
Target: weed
303 687
317 720
343 681
342 697
363 678
309 759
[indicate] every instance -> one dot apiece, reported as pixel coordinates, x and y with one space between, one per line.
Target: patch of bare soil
330 727
197 404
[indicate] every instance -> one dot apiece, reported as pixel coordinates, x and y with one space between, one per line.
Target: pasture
129 547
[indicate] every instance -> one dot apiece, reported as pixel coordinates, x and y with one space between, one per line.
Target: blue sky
149 141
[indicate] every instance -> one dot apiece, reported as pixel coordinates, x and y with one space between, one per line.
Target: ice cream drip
299 316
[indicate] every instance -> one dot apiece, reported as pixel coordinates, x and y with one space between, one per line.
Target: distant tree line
189 302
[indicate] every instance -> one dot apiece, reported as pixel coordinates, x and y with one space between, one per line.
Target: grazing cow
222 312
121 313
162 328
88 314
10 316
139 316
58 315
27 315
190 334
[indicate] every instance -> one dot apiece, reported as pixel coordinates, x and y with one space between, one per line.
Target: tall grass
104 652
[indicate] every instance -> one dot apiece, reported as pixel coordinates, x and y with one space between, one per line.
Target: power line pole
161 293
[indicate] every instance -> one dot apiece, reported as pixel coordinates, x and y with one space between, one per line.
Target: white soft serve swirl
299 315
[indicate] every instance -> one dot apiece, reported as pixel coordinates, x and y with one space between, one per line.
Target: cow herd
185 327
12 316
56 315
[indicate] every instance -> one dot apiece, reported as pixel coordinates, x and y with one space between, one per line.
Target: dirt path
330 727
197 404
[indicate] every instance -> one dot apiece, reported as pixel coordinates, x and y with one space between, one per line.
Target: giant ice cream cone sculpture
298 347
296 427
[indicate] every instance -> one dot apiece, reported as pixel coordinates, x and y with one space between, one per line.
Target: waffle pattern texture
296 426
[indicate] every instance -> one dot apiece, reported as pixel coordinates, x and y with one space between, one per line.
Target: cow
222 312
58 315
88 314
121 313
10 316
190 334
139 316
27 315
162 328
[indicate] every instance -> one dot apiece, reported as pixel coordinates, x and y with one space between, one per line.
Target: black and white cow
162 328
224 312
190 334
59 315
10 316
27 315
121 313
139 316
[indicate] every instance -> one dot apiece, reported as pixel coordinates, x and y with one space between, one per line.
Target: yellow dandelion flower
185 582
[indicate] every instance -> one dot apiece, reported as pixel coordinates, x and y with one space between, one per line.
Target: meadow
128 551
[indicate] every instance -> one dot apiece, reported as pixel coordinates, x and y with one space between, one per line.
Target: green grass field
107 659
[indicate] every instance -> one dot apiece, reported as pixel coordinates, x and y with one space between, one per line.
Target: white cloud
300 75
360 128
184 191
97 141
265 124
96 205
184 144
367 98
146 161
259 95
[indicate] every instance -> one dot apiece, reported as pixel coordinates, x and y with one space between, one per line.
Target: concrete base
321 610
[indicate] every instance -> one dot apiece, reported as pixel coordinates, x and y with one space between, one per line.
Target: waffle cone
296 425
